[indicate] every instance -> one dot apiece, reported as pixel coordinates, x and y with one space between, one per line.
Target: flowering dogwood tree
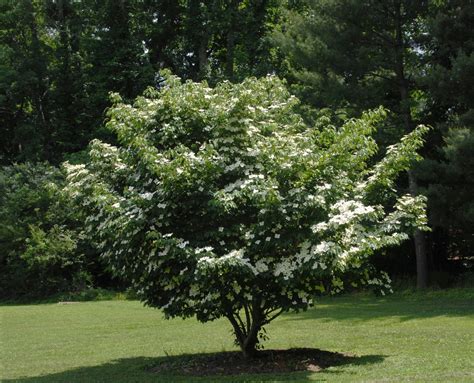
222 202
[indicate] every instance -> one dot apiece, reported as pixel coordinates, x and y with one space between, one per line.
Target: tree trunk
419 238
249 346
229 64
420 244
246 330
230 43
41 87
247 340
202 57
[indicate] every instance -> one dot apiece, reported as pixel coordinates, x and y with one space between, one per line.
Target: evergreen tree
358 55
448 175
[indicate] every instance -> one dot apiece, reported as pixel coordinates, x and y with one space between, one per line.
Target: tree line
60 59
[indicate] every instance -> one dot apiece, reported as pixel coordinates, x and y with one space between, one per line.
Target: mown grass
415 337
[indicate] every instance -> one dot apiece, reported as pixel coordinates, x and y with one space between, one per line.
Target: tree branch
238 331
268 320
245 331
247 316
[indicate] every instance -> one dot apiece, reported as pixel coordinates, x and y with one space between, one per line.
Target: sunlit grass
425 337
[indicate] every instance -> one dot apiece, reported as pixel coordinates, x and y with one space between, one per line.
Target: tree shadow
403 308
182 368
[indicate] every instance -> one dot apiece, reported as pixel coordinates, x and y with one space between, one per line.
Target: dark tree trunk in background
403 85
41 89
420 244
202 57
230 41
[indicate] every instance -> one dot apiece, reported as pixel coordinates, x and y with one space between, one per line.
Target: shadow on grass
178 368
402 307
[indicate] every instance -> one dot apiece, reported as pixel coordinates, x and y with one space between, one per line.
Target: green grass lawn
426 337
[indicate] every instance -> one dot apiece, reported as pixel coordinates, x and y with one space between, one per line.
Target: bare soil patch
267 361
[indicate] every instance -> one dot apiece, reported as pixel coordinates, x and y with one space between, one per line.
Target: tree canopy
222 202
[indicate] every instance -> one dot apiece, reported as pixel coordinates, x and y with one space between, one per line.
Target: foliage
415 58
447 174
221 200
450 181
347 53
59 60
40 251
23 82
450 45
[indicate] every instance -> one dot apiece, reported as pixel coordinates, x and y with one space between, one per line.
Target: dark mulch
267 361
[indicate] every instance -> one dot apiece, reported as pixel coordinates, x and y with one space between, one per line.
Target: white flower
322 226
148 196
261 266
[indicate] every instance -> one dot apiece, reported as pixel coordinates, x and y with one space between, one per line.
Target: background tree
229 40
60 59
357 55
24 82
41 251
72 114
223 203
447 175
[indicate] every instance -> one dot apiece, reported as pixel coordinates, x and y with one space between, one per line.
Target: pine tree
358 55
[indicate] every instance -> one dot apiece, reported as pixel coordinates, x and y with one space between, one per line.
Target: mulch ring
267 361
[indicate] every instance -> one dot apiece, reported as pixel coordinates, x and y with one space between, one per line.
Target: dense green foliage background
60 59
42 248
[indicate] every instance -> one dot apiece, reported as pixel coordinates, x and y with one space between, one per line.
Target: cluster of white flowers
344 212
260 200
284 268
234 258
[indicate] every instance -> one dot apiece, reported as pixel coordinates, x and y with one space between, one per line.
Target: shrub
39 251
223 203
